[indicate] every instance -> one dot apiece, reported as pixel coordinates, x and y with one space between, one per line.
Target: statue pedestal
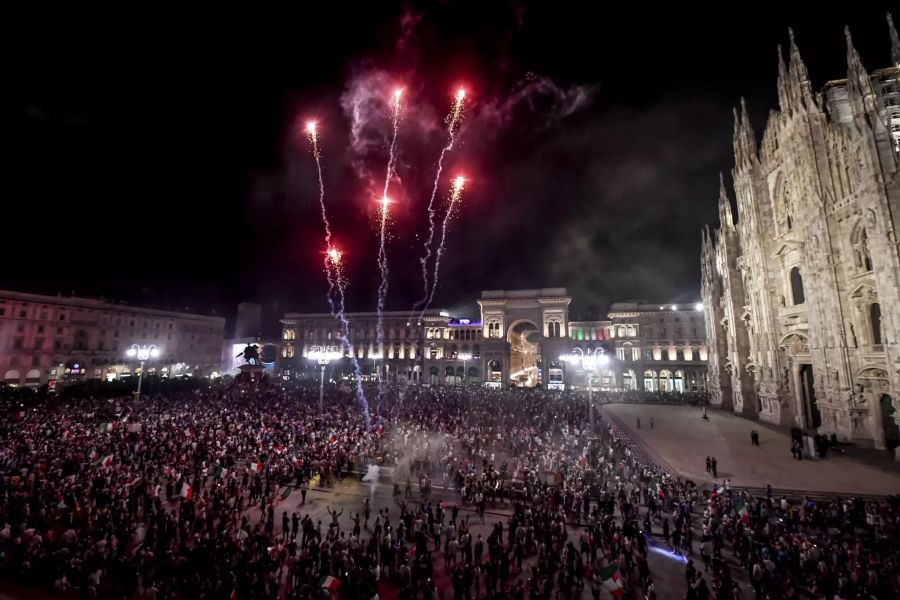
250 373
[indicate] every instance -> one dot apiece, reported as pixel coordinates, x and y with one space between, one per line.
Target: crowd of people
496 494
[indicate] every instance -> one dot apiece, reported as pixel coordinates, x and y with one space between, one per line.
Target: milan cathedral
801 292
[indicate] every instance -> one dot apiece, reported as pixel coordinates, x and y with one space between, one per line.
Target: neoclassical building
47 338
801 291
519 340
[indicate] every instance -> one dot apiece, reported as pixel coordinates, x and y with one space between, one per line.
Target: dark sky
158 157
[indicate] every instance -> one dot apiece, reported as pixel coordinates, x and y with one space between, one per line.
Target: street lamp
590 361
142 353
323 356
465 357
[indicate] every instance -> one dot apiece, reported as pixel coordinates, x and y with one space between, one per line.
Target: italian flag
104 460
742 511
221 472
255 467
285 492
329 583
612 581
187 491
717 490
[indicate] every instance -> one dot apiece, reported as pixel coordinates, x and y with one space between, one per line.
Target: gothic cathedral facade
801 291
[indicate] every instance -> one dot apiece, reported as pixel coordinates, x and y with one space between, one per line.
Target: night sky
159 158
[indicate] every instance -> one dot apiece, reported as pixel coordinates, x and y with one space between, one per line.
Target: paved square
683 440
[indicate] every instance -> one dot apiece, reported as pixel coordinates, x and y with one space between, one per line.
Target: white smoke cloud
365 103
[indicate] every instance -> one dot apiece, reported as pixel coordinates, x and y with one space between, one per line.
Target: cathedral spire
783 98
798 77
725 217
744 140
895 42
859 86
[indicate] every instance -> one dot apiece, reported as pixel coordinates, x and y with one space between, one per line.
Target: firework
459 183
382 252
452 120
334 255
334 264
334 273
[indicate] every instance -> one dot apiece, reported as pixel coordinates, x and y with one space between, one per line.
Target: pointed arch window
875 322
797 286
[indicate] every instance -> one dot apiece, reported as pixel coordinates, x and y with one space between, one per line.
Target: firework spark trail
333 257
382 252
455 194
452 121
334 274
313 133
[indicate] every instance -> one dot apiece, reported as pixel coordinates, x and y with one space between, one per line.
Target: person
712 465
651 422
303 489
708 465
638 422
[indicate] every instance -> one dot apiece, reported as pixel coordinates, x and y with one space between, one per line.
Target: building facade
521 339
650 347
802 291
54 338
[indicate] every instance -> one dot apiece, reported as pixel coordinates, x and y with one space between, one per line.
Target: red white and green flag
741 507
187 492
329 583
255 467
612 581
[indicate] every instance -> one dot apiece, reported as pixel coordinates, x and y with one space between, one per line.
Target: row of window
359 334
452 333
44 315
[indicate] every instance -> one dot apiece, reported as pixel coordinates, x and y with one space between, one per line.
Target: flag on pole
329 583
186 491
256 467
285 492
612 581
717 490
